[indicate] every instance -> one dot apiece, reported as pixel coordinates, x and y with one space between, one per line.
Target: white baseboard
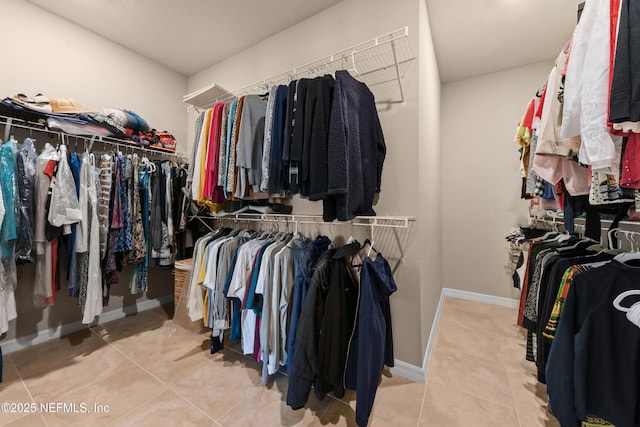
59 331
409 371
473 296
432 336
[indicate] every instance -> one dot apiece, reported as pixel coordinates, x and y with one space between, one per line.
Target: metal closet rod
364 221
22 124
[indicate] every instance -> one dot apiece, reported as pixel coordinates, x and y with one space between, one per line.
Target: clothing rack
394 223
552 223
630 230
12 122
380 63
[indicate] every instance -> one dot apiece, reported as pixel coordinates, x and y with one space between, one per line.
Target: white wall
43 53
480 173
346 24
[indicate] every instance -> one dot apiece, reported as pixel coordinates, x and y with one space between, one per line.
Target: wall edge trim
409 371
474 296
40 337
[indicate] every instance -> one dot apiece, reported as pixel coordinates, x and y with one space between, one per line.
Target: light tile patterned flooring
150 376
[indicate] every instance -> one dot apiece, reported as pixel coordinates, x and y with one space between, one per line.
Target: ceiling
187 35
471 37
474 37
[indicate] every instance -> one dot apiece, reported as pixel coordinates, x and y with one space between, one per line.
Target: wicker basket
182 273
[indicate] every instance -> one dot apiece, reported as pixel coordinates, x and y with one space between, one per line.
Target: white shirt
586 91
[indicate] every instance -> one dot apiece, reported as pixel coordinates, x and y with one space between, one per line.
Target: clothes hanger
577 245
624 257
371 247
610 234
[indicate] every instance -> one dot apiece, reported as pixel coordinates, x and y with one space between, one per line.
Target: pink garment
211 189
548 204
217 193
554 168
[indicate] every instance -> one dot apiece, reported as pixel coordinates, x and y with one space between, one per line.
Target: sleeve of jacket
381 149
305 364
337 145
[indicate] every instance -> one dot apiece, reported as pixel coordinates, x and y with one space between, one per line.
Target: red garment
541 105
613 37
50 168
527 121
55 277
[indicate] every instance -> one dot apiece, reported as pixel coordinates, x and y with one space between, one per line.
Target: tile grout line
157 379
509 382
254 391
426 373
515 407
27 389
424 399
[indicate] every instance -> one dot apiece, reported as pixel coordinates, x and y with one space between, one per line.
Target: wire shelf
380 63
10 123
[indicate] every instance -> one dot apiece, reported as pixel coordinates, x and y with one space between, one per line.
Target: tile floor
147 375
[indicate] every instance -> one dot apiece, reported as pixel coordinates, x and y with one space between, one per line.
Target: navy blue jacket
372 344
300 287
356 151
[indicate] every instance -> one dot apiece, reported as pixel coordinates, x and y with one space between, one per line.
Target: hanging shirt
222 152
93 305
9 229
296 249
250 144
585 110
297 135
64 208
229 146
195 167
275 171
203 148
43 274
266 151
231 166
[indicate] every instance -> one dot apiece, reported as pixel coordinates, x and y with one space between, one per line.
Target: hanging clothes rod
13 122
365 221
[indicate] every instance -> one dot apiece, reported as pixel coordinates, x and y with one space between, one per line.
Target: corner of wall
429 187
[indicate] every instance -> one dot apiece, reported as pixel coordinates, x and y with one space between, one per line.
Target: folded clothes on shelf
70 116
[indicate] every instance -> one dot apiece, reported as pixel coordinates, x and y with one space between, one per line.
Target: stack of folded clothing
69 116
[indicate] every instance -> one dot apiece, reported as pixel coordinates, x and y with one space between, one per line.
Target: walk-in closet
313 213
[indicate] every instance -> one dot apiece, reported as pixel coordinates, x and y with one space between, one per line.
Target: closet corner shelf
13 122
380 63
